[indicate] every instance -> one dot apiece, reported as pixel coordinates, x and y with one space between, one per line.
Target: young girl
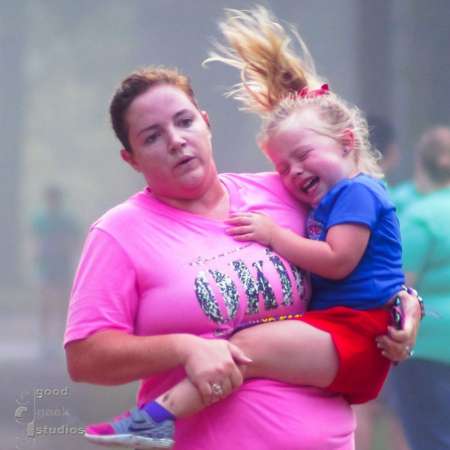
319 146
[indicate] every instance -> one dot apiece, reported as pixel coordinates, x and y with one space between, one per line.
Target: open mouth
309 184
184 161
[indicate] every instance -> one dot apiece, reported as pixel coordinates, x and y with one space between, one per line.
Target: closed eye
151 138
303 155
185 122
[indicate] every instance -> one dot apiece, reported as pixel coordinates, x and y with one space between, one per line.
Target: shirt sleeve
355 204
417 241
104 294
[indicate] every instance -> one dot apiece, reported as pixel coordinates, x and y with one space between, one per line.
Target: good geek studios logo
43 412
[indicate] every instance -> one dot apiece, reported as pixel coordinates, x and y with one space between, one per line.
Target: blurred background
60 167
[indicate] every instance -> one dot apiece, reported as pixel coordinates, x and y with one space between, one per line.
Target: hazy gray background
59 63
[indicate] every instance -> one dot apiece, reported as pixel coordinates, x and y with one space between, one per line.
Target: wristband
397 314
413 292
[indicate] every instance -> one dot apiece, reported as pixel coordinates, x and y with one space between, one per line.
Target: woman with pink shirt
161 287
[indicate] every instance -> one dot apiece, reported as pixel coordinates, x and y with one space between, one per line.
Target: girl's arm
334 258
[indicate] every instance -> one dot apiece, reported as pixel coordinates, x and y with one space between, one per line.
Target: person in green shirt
383 137
56 234
377 413
404 194
422 384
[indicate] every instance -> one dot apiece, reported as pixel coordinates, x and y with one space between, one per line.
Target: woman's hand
397 345
251 227
212 365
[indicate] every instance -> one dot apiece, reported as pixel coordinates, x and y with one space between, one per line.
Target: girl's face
309 163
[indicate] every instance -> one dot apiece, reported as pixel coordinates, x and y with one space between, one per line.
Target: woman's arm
100 345
339 254
334 258
113 357
297 353
396 344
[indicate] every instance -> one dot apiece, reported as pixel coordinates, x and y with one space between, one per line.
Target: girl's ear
348 140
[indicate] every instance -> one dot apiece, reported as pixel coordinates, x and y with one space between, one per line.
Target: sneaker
134 429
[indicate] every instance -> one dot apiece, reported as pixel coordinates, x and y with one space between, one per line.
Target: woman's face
171 143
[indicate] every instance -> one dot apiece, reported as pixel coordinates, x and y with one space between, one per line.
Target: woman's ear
128 157
205 118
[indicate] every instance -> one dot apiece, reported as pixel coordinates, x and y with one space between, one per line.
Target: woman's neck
213 202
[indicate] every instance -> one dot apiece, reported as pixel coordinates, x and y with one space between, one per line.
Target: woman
160 284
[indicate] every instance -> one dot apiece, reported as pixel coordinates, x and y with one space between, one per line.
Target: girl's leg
181 400
290 351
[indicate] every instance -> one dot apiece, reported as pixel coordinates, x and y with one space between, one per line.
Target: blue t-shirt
378 276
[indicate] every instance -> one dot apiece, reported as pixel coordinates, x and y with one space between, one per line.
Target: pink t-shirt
148 269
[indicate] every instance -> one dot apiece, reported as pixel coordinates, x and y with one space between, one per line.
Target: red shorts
362 369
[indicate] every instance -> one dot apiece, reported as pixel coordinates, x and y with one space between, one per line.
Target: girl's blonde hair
273 74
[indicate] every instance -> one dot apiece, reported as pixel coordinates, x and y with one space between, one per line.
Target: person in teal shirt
422 384
404 194
56 244
384 138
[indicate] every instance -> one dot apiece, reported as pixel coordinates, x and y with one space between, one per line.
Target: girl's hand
212 365
251 227
398 345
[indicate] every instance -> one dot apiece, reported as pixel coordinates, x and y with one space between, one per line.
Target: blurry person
422 384
383 137
408 191
56 236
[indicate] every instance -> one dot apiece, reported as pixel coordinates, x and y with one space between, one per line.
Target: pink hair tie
311 93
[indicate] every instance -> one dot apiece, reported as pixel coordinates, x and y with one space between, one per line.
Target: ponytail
276 81
261 50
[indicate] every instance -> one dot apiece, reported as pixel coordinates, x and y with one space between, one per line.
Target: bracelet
412 291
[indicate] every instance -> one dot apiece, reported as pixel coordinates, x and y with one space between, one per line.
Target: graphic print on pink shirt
214 287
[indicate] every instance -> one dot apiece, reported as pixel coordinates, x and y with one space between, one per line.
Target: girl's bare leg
289 351
182 400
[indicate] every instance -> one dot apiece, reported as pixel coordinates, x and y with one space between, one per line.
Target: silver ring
217 389
409 351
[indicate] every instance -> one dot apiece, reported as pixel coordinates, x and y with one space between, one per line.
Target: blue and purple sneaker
133 429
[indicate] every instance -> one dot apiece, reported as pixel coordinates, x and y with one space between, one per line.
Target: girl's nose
297 170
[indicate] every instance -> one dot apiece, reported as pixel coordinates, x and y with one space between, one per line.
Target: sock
157 412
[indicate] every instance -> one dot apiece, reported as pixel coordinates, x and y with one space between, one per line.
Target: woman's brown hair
137 83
